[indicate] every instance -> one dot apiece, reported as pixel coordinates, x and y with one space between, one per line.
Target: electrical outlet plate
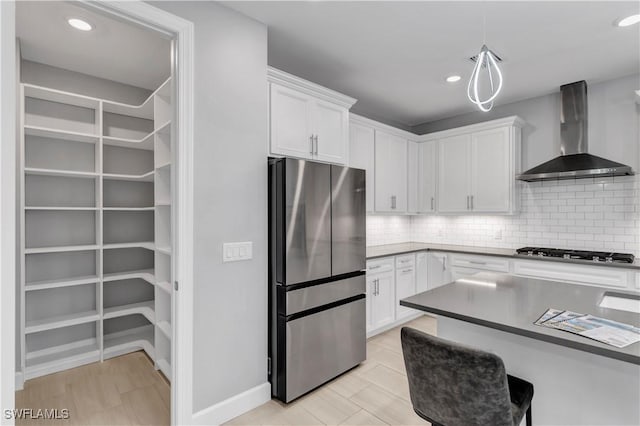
233 252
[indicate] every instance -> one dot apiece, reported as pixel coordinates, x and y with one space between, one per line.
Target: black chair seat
455 385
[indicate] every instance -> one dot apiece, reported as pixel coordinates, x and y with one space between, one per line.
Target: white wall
613 123
230 312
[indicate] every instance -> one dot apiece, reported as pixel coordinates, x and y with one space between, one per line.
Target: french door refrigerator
317 243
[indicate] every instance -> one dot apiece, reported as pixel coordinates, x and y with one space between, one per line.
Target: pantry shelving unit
96 229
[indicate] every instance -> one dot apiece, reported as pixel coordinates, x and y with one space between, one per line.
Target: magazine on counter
601 329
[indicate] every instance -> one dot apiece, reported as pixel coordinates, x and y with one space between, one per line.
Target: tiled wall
596 214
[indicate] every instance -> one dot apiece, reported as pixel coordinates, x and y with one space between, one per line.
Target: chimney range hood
574 162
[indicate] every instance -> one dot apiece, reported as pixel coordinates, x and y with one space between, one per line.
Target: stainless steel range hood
574 162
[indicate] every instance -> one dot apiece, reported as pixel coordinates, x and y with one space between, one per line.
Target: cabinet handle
468 203
316 139
375 267
404 271
471 202
475 262
375 287
393 202
444 266
311 142
432 203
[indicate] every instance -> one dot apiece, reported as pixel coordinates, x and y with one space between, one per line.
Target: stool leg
529 416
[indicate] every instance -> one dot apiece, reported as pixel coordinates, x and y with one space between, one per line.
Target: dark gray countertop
374 252
514 303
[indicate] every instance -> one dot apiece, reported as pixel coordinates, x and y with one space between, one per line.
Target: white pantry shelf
143 244
46 208
59 96
35 326
64 282
61 358
62 173
60 249
164 250
145 177
128 209
142 308
127 341
165 328
162 166
66 135
145 274
144 110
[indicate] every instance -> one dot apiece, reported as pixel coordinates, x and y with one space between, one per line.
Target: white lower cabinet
438 270
598 276
405 283
380 300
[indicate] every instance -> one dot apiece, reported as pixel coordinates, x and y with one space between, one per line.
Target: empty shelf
128 341
142 308
35 326
53 95
60 358
146 177
75 209
164 286
165 367
162 166
60 134
64 282
143 143
144 110
165 328
58 249
145 244
145 274
164 250
63 173
128 209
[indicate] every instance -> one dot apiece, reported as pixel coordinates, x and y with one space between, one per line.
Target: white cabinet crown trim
512 121
275 75
364 121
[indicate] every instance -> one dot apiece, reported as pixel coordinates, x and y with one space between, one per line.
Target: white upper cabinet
390 173
362 156
477 166
454 171
413 161
291 122
307 120
490 170
427 176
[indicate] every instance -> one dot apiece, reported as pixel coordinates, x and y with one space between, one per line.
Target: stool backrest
451 384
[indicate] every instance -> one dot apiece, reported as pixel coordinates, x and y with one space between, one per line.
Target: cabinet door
458 272
422 276
290 119
383 303
412 176
490 171
361 156
427 177
391 173
405 287
331 127
438 270
453 171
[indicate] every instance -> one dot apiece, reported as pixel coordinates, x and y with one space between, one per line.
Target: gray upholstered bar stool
454 385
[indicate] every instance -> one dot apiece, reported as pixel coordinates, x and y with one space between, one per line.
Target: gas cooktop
595 256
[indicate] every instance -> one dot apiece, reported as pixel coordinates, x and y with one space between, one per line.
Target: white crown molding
513 121
364 121
275 75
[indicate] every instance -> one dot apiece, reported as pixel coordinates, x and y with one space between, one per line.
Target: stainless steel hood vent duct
574 162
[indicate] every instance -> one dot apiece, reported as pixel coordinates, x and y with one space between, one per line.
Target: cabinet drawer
405 260
578 274
486 263
380 265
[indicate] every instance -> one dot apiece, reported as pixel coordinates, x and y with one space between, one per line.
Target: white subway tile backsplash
601 214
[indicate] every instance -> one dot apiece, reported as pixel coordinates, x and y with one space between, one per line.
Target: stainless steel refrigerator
317 243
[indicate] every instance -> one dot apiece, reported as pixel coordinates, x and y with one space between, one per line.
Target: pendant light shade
486 63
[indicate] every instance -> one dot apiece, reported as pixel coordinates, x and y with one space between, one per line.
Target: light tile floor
374 393
125 390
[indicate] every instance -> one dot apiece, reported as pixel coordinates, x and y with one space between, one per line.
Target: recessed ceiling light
629 20
79 24
453 78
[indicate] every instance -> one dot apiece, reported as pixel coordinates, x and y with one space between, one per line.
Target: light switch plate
233 252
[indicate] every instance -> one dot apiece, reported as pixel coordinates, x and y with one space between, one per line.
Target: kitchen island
577 380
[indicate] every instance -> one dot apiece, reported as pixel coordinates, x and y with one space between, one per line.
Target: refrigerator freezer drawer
323 294
323 345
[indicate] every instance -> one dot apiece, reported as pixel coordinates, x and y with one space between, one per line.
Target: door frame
182 32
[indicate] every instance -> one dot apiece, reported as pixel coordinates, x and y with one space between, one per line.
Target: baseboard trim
234 406
19 380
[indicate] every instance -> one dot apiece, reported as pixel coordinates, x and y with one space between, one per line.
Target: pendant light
486 62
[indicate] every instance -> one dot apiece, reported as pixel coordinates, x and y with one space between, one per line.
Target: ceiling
113 50
393 56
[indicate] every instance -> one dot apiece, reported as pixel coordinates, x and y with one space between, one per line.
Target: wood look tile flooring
125 390
374 393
